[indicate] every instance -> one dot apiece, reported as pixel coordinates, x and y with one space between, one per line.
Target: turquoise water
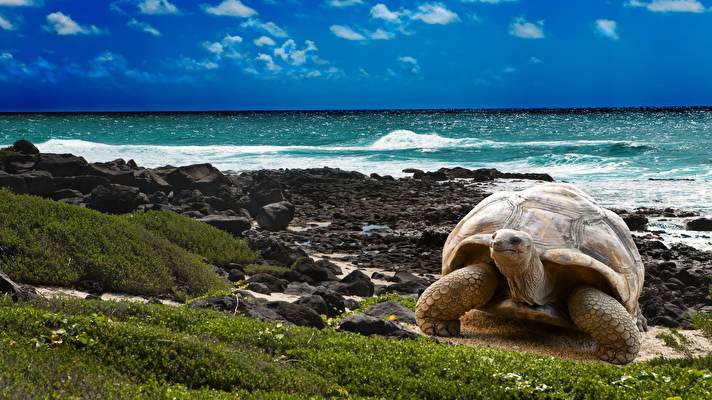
601 149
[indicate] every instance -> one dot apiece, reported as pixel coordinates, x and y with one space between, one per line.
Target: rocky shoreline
372 222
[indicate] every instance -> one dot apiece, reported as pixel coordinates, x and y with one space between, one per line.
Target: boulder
204 177
82 183
236 275
276 216
391 308
62 164
275 250
368 325
273 283
297 314
260 197
335 303
635 222
116 199
259 287
25 147
300 289
700 224
314 270
356 284
235 225
315 302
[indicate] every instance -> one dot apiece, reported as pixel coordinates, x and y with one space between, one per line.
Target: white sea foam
404 139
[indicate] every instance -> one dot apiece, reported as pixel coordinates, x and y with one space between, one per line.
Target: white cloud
521 28
5 24
607 28
380 34
346 32
230 8
435 14
509 70
288 52
227 47
143 26
535 60
344 3
214 47
665 6
269 63
157 7
269 27
264 41
381 11
17 3
191 64
64 25
410 63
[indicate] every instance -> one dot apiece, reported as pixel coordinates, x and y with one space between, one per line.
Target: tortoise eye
494 235
515 240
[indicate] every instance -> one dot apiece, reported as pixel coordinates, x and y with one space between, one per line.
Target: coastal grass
101 349
215 245
59 244
275 270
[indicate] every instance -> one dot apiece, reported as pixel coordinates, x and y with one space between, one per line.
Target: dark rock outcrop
235 225
700 224
368 325
275 216
356 284
116 199
297 314
391 308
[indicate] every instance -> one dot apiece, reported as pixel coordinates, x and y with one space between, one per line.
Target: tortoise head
516 258
509 246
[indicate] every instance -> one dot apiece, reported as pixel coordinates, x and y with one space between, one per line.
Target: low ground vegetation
95 349
154 253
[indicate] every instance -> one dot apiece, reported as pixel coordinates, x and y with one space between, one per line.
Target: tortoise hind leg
442 304
608 322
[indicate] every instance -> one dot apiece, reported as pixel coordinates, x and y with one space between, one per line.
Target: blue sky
335 54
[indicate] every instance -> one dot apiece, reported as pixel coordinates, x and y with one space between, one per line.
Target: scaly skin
442 304
608 322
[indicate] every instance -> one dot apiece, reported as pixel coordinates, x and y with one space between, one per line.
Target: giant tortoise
549 253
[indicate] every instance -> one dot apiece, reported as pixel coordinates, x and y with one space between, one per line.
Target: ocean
624 157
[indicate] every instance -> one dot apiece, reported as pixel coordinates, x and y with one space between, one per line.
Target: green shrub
406 302
217 246
266 268
62 244
200 354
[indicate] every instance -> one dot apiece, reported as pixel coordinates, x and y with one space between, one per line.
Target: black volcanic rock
25 147
116 199
235 225
700 224
275 216
368 325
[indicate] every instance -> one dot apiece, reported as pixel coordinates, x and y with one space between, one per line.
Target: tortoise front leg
608 322
442 304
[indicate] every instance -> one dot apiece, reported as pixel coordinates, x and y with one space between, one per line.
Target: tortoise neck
528 282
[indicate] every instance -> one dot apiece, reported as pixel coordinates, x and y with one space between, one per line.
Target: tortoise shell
564 222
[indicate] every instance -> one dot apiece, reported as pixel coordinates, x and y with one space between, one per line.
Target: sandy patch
481 329
50 292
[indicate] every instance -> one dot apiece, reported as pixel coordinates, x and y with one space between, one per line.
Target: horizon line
364 110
